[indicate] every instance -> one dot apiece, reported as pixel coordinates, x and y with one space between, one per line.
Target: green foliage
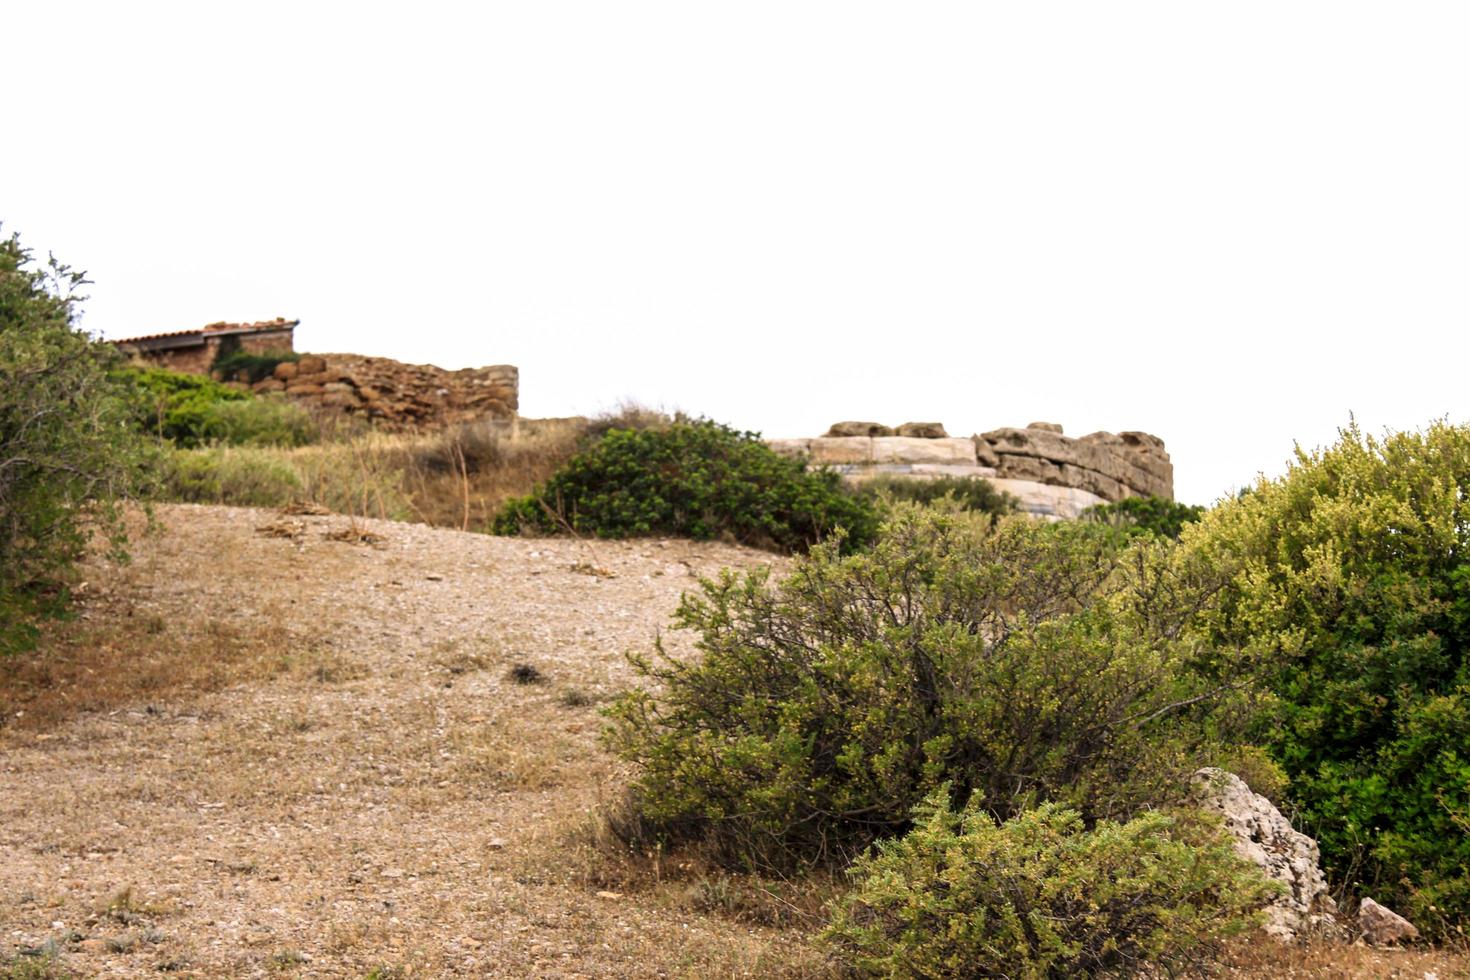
970 494
191 410
1135 516
68 454
224 476
697 479
239 365
1356 585
1026 662
1040 897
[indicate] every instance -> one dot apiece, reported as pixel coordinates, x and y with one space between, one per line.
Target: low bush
1134 516
697 479
234 477
1026 662
1039 896
191 411
970 494
1354 587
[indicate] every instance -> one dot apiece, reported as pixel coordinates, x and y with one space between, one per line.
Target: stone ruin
395 396
1051 474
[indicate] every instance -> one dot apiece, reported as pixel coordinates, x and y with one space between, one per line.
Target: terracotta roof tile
220 327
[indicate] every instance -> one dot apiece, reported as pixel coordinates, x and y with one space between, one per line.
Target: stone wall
395 396
1052 475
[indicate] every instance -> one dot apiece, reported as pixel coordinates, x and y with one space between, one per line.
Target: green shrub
971 494
220 475
190 411
260 421
697 479
1041 897
1134 516
238 365
1029 662
68 455
1356 585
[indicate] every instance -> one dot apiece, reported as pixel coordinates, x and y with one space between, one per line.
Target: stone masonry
1051 474
395 396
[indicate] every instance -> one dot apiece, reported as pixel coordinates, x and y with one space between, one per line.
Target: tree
69 455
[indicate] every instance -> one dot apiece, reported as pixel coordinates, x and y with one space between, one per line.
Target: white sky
1231 224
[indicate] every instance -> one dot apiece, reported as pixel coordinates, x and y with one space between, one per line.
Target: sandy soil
390 798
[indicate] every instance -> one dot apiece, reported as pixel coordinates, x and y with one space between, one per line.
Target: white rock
1266 838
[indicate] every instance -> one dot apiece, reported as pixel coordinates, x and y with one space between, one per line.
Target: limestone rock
923 430
790 447
984 451
898 449
1047 502
1266 838
840 450
859 429
1046 427
1384 927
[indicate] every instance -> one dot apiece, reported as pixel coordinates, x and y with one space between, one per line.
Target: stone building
195 351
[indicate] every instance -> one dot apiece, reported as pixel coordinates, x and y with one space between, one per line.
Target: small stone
496 844
1382 926
92 946
610 895
392 873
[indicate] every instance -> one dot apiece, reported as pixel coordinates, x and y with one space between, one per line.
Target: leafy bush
226 476
1356 584
1039 897
1031 662
971 494
239 365
68 455
693 478
1134 516
191 411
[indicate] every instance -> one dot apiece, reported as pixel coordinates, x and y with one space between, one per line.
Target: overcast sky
1230 224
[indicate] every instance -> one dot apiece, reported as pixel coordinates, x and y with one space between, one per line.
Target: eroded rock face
922 430
1267 839
1382 926
859 429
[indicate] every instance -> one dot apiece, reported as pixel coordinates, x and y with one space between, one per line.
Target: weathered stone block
922 430
899 449
830 450
286 370
848 429
790 447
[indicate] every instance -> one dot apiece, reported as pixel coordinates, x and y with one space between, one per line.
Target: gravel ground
391 798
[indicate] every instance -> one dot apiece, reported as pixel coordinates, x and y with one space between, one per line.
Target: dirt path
385 796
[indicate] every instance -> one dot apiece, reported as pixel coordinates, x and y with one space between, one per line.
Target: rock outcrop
1384 927
397 396
1052 475
1266 838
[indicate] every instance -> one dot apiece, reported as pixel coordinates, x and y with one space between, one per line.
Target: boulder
923 430
1267 839
1384 927
311 364
859 429
1046 427
286 370
984 451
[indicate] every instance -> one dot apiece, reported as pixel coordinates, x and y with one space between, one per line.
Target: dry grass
456 478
